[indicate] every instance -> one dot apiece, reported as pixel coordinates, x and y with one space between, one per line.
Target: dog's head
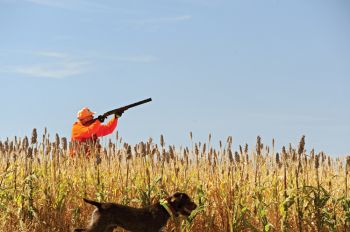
181 203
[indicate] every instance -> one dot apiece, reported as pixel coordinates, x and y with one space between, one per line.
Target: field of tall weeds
252 189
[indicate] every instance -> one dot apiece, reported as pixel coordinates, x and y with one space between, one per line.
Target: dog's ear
176 197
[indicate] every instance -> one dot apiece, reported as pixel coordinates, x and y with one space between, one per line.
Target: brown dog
153 218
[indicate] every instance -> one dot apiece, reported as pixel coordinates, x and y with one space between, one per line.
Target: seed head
258 146
57 140
284 154
204 148
237 157
64 143
34 137
25 143
196 150
125 145
6 145
128 152
348 163
30 153
229 140
11 146
98 159
278 159
312 154
230 156
171 152
143 148
317 161
294 157
301 145
162 141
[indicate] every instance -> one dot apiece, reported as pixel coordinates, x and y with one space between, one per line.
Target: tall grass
41 186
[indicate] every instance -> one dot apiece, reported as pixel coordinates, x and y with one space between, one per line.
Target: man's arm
108 128
84 132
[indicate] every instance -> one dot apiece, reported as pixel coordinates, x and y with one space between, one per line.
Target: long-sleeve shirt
82 133
84 137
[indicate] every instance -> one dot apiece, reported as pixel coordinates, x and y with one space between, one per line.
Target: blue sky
278 69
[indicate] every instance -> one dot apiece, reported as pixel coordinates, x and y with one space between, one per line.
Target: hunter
86 130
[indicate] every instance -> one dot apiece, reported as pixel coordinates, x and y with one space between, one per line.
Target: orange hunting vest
82 134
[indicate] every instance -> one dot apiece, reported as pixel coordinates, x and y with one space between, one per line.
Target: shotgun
121 109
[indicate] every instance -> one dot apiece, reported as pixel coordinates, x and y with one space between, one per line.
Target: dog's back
95 203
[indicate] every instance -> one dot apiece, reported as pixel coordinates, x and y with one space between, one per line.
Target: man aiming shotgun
87 129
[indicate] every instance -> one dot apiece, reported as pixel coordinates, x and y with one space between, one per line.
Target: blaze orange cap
84 112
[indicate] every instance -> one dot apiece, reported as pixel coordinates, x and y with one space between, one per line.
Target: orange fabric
85 134
96 129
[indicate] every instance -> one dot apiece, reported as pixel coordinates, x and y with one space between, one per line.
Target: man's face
85 120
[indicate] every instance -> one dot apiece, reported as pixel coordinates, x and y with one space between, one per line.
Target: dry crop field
252 189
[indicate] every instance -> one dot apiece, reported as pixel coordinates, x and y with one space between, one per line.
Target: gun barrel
127 107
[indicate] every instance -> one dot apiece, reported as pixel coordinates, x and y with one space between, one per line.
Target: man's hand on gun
118 114
101 118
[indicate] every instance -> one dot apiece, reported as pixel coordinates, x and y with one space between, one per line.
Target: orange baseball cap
84 112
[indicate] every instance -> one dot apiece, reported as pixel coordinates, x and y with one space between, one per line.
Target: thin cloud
136 59
62 37
52 54
58 65
164 20
183 17
81 5
85 5
53 70
48 64
50 3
